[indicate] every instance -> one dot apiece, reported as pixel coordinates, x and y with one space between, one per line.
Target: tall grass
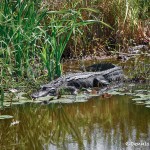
34 38
63 24
35 34
129 18
2 97
20 32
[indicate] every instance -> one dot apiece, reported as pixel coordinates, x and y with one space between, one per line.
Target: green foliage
141 69
62 25
33 38
20 32
2 97
34 34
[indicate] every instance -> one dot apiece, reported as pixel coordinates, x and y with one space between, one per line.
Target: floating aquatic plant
2 117
141 96
148 106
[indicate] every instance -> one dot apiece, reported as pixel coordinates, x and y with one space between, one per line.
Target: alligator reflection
97 124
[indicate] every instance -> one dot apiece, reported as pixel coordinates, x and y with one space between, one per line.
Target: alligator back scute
81 83
100 67
116 75
74 83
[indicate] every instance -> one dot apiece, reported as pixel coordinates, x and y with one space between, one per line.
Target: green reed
35 34
2 97
141 69
63 24
20 21
31 36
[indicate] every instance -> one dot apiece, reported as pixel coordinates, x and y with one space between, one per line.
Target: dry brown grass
128 18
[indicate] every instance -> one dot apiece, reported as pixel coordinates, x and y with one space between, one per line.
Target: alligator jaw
41 93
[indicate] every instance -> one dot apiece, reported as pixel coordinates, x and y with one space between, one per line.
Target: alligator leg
100 82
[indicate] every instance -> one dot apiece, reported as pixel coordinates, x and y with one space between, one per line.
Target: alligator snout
44 91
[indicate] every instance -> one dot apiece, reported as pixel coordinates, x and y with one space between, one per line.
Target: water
99 124
114 123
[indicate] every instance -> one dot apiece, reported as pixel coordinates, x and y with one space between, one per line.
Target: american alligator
104 75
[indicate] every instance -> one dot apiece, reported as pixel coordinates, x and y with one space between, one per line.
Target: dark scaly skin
76 81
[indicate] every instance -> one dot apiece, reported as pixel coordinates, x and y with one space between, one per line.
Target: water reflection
99 124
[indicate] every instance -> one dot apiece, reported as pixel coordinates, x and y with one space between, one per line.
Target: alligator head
44 91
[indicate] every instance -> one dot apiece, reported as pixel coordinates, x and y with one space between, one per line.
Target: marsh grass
34 38
138 69
35 34
30 34
128 18
20 32
2 97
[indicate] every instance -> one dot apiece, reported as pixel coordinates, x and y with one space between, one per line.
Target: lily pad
18 103
19 99
120 89
80 101
5 117
128 93
115 93
82 96
148 106
71 99
6 103
139 102
68 96
13 90
46 98
147 103
140 99
62 100
143 95
141 90
21 94
67 101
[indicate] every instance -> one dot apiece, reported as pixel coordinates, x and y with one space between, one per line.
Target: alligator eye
53 90
44 88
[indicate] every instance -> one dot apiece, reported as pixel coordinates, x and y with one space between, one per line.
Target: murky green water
99 124
114 123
